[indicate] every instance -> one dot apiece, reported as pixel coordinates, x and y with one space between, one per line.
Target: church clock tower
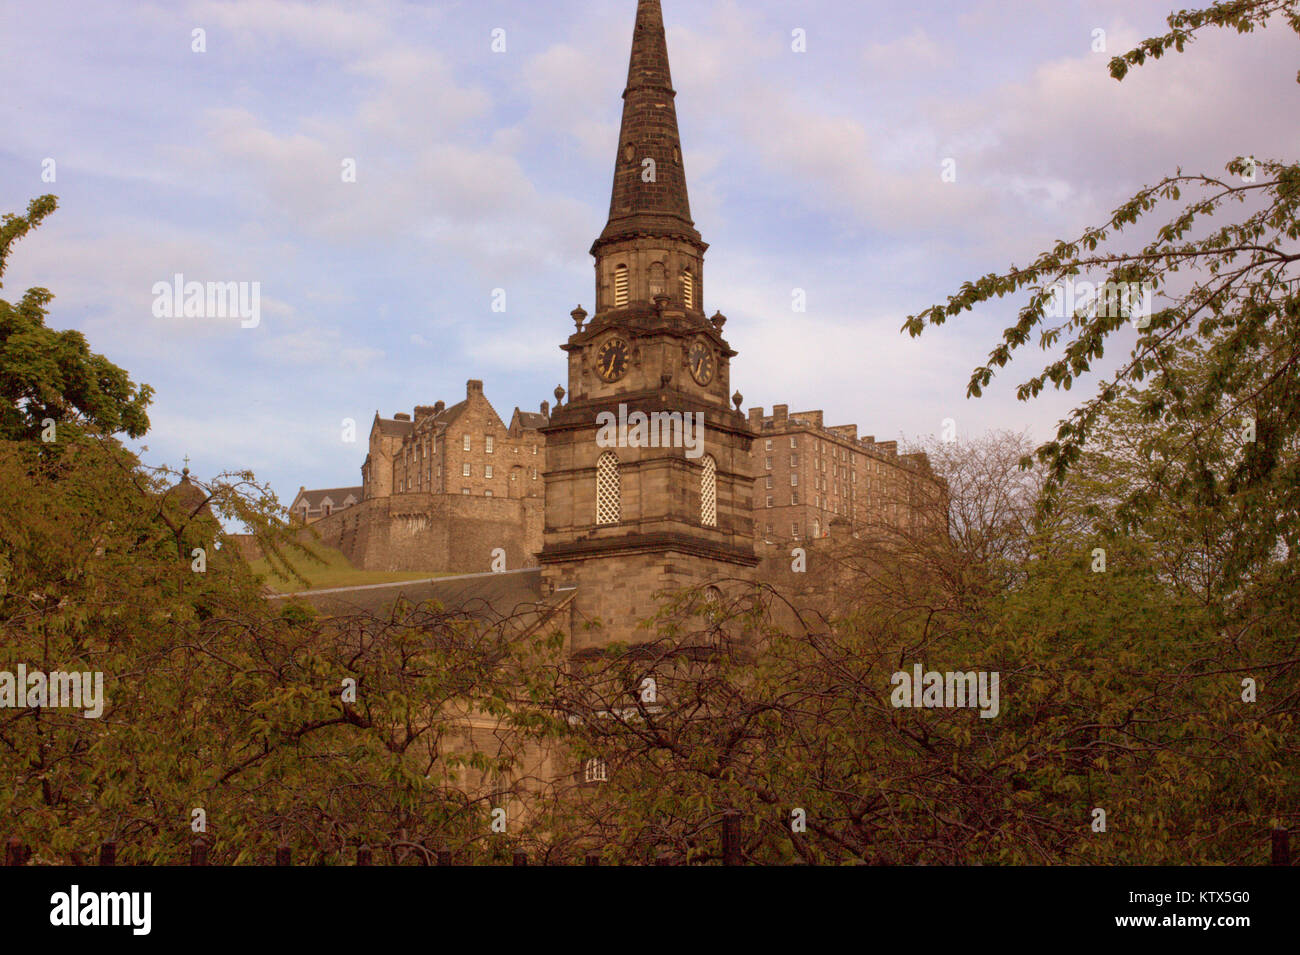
648 483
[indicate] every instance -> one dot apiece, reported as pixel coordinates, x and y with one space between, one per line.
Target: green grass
337 571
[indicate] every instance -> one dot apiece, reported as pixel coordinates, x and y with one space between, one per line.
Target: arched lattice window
595 770
620 286
688 289
608 491
709 492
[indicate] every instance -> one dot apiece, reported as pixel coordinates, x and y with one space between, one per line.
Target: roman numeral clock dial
612 359
700 362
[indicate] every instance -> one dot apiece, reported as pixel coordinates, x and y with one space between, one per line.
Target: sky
476 170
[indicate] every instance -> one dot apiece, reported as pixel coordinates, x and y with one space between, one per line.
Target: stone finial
559 395
662 301
738 399
579 317
718 320
546 409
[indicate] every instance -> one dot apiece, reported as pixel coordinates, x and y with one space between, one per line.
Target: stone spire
649 195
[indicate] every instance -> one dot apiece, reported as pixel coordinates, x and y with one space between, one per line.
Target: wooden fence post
731 838
108 853
1281 847
284 856
198 852
521 857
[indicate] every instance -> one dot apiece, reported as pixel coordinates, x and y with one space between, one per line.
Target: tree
252 722
49 376
1241 297
1117 692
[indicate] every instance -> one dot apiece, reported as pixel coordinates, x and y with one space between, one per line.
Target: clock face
612 359
700 362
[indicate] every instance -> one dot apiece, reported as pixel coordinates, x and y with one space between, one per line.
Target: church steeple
660 507
649 246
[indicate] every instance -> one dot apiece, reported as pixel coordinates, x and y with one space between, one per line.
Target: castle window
488 444
794 442
464 490
487 493
464 469
608 490
794 478
688 289
534 449
794 531
794 497
794 460
620 286
769 462
769 500
769 445
709 492
595 771
534 474
487 471
769 482
465 442
816 528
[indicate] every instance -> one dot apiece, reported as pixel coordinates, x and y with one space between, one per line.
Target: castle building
465 449
809 475
648 478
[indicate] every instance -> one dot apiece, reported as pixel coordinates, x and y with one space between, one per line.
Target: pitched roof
532 420
315 499
514 597
394 428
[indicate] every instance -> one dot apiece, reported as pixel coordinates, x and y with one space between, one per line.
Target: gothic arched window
709 492
608 491
620 286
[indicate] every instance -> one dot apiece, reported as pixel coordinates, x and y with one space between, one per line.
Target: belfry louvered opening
620 286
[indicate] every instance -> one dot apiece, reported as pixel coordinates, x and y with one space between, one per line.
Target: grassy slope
335 572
